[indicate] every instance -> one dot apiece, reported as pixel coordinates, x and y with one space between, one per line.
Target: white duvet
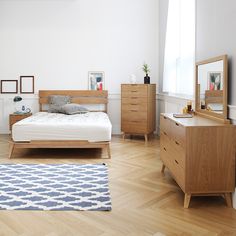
92 126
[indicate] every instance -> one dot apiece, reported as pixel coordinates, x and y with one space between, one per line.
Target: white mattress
92 126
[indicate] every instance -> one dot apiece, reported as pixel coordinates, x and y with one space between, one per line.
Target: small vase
146 79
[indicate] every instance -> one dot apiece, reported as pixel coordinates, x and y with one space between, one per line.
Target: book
179 115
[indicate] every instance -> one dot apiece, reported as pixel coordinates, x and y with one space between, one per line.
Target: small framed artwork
96 80
215 80
26 84
9 86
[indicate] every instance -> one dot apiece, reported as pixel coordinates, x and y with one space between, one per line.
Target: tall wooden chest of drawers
138 109
200 154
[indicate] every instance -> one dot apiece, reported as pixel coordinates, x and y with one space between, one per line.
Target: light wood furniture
13 118
213 96
200 154
138 109
77 96
207 67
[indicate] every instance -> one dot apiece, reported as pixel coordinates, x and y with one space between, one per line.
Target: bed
214 100
54 130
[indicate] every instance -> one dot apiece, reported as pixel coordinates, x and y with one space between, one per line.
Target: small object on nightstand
17 100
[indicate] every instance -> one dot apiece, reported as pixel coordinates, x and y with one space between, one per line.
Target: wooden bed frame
213 96
77 96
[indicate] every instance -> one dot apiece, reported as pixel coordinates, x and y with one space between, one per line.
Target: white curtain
178 74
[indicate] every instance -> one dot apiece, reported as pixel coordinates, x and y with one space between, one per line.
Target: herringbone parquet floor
144 202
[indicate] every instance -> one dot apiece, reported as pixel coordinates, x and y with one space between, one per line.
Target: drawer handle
176 162
134 104
177 124
176 142
134 97
164 149
134 91
165 133
134 110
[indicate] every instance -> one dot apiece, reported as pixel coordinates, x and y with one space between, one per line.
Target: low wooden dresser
200 155
138 109
13 118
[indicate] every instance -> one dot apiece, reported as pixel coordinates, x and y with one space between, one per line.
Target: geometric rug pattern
54 187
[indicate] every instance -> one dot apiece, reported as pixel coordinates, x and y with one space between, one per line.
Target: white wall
215 35
59 41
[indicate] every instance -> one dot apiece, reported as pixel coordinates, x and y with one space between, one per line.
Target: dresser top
196 120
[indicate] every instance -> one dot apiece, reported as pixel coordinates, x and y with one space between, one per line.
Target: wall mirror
211 88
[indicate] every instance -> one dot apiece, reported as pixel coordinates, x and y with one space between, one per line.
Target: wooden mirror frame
209 114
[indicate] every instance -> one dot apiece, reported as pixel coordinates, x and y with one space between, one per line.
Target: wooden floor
143 201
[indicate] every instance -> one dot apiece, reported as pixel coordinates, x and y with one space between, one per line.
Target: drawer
175 151
134 100
134 115
178 133
134 91
134 107
164 148
179 152
165 124
135 127
177 172
172 160
16 119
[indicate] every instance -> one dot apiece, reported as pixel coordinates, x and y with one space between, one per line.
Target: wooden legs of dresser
145 137
187 198
228 199
163 168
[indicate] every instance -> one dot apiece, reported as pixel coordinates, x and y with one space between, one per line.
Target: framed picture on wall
27 84
215 80
9 86
96 80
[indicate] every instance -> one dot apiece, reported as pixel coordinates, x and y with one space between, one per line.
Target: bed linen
91 126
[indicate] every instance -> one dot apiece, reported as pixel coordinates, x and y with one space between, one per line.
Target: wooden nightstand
13 118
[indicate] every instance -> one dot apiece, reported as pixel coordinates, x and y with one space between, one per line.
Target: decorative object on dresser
146 70
13 118
27 84
200 151
132 79
138 109
9 86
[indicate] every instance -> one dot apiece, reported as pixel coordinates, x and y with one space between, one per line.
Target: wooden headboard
88 97
213 96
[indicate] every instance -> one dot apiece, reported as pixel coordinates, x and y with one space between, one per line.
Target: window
178 74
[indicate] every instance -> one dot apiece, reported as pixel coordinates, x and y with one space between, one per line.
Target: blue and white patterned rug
54 187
